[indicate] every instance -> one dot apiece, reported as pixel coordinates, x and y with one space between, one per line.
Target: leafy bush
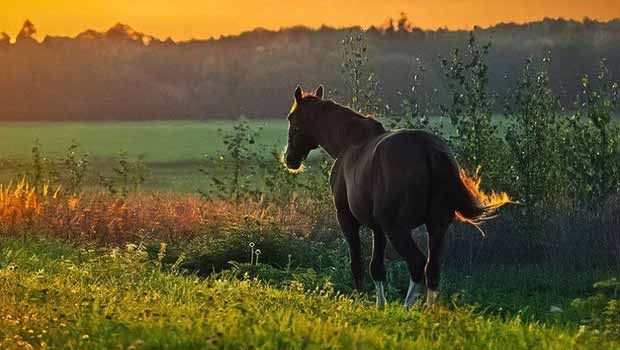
418 108
470 110
361 84
234 167
128 176
39 171
76 167
538 179
594 156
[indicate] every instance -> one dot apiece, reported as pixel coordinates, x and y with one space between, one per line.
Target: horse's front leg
351 230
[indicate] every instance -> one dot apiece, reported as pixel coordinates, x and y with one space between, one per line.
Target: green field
57 296
173 151
158 141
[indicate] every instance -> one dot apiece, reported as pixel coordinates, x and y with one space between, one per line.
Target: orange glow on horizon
201 19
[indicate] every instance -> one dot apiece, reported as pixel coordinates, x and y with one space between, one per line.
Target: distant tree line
122 74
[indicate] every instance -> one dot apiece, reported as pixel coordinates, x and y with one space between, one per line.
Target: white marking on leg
431 297
412 293
380 294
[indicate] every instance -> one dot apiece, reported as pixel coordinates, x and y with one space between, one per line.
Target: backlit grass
56 296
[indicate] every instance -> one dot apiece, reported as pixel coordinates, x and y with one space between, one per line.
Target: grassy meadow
173 150
163 267
59 296
158 141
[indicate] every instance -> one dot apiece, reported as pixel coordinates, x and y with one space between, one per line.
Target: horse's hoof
380 295
412 294
431 298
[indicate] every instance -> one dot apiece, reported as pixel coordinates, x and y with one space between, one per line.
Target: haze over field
124 74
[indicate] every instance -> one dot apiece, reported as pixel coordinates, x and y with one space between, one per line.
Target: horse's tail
473 205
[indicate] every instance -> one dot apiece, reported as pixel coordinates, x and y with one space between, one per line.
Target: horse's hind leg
377 264
401 239
436 234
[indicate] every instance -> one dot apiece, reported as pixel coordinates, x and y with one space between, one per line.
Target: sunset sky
185 19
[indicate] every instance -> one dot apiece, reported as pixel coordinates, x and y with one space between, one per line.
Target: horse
390 181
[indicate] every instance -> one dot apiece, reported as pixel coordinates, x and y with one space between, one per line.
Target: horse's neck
341 129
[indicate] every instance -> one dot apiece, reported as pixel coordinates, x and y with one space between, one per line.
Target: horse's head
301 123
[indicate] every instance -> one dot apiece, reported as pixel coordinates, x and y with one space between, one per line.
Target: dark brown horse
391 181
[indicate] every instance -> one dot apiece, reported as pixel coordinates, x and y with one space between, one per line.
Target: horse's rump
457 191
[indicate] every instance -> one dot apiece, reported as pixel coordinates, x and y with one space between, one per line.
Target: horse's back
401 152
409 142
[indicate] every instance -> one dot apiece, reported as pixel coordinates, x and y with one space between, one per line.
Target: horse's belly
361 208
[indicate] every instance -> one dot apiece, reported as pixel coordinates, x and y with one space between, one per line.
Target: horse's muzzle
292 161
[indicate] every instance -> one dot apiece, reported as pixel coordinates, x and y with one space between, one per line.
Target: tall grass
110 219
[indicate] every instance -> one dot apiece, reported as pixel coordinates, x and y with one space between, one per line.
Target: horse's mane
337 125
346 112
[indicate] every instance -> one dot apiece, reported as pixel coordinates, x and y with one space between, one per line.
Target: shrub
418 108
475 141
595 157
235 167
76 167
127 176
532 137
361 84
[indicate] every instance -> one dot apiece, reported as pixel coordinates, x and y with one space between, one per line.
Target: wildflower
257 254
72 203
252 253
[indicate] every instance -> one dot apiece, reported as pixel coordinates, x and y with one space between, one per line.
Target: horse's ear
319 91
298 94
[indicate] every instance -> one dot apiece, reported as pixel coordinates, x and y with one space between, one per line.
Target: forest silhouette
123 74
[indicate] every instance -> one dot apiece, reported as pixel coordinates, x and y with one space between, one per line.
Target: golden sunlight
292 171
490 201
187 19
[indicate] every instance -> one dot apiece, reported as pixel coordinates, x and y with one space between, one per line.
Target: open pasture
173 150
157 141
